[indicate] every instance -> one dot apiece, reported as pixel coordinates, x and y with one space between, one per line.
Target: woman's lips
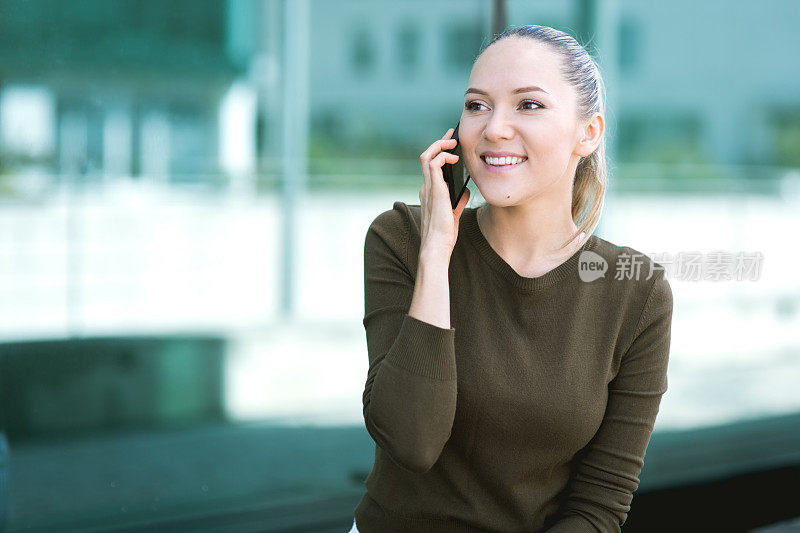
501 168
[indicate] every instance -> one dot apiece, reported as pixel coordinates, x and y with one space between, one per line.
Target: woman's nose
498 127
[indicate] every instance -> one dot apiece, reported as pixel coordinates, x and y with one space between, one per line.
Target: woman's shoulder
401 225
399 216
628 273
625 262
633 285
398 230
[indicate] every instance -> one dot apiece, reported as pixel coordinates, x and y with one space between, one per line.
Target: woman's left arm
606 471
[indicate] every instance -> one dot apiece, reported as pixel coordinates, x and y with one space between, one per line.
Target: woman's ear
591 134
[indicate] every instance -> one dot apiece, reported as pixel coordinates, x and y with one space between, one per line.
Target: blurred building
679 99
123 88
190 91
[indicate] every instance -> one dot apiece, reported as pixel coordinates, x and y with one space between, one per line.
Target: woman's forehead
508 66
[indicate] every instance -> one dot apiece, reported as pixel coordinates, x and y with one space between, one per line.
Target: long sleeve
410 393
606 472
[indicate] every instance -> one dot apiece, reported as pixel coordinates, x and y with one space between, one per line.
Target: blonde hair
580 70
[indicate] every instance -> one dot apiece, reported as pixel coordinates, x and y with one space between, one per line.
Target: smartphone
455 174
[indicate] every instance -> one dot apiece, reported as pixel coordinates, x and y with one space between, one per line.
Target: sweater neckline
507 272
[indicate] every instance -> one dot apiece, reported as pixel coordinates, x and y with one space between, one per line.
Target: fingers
434 195
434 157
435 174
441 159
436 148
445 143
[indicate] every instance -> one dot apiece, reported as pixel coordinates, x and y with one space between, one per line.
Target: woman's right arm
410 394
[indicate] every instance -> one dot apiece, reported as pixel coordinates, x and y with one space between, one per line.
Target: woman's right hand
439 220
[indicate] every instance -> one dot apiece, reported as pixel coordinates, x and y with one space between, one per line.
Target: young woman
514 381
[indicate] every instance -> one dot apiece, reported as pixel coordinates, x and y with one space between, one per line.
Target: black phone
455 174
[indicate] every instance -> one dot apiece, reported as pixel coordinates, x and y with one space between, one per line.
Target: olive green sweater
533 411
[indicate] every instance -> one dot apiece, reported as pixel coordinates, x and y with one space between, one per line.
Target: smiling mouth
503 162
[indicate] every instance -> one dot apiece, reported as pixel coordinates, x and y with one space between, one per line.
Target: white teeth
508 160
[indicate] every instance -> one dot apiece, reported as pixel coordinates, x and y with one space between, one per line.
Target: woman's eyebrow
531 89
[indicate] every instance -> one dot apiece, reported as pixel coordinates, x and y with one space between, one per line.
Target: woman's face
541 127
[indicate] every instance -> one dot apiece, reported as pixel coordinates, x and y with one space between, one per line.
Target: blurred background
185 188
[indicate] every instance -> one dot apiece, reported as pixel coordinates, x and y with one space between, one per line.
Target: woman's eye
531 102
470 106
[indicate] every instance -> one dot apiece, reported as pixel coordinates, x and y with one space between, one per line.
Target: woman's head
558 130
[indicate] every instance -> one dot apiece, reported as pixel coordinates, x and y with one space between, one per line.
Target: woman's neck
526 254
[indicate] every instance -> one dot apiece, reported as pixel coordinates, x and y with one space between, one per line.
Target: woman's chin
497 195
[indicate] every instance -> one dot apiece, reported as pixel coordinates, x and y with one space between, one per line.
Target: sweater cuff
424 349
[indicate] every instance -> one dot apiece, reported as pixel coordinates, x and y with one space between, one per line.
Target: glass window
629 44
659 137
408 46
362 53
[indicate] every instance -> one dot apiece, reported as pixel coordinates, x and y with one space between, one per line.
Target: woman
513 382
